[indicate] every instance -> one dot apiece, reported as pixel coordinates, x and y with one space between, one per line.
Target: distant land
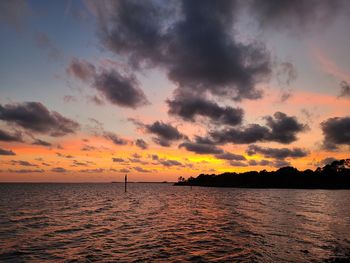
332 176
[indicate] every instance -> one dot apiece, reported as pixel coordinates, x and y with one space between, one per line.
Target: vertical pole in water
126 181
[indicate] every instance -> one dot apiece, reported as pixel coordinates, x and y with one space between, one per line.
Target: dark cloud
115 138
261 162
141 144
117 88
25 171
279 128
81 69
169 163
344 90
165 133
281 163
59 170
141 170
188 107
192 41
155 157
23 163
6 152
275 163
162 142
283 128
277 153
35 117
297 15
68 156
336 132
137 160
201 148
88 148
120 90
230 156
237 163
163 130
118 160
8 137
96 170
41 142
249 134
77 163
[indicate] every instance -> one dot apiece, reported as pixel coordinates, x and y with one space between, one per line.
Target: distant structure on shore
332 176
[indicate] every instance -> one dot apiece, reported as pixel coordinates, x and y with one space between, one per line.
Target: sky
93 90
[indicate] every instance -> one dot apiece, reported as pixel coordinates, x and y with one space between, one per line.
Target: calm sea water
165 223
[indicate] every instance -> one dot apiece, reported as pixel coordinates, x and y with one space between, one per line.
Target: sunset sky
94 90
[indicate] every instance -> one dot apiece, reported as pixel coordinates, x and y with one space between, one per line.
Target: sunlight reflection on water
161 222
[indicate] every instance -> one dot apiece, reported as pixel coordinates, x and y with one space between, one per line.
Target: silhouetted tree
332 176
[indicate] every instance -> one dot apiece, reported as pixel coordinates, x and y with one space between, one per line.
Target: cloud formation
115 138
118 160
283 128
22 163
276 153
141 170
188 106
141 144
344 90
119 89
259 162
81 69
237 163
8 137
25 171
41 143
278 128
6 152
201 148
165 132
95 170
230 156
59 170
192 42
169 163
35 117
336 131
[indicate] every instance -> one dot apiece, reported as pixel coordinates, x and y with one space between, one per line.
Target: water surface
165 223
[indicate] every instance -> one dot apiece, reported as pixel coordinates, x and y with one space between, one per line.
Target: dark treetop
332 176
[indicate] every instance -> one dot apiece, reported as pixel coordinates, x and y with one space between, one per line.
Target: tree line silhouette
332 176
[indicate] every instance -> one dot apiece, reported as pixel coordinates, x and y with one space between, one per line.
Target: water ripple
163 223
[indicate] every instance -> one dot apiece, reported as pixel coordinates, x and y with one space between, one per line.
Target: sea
159 222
